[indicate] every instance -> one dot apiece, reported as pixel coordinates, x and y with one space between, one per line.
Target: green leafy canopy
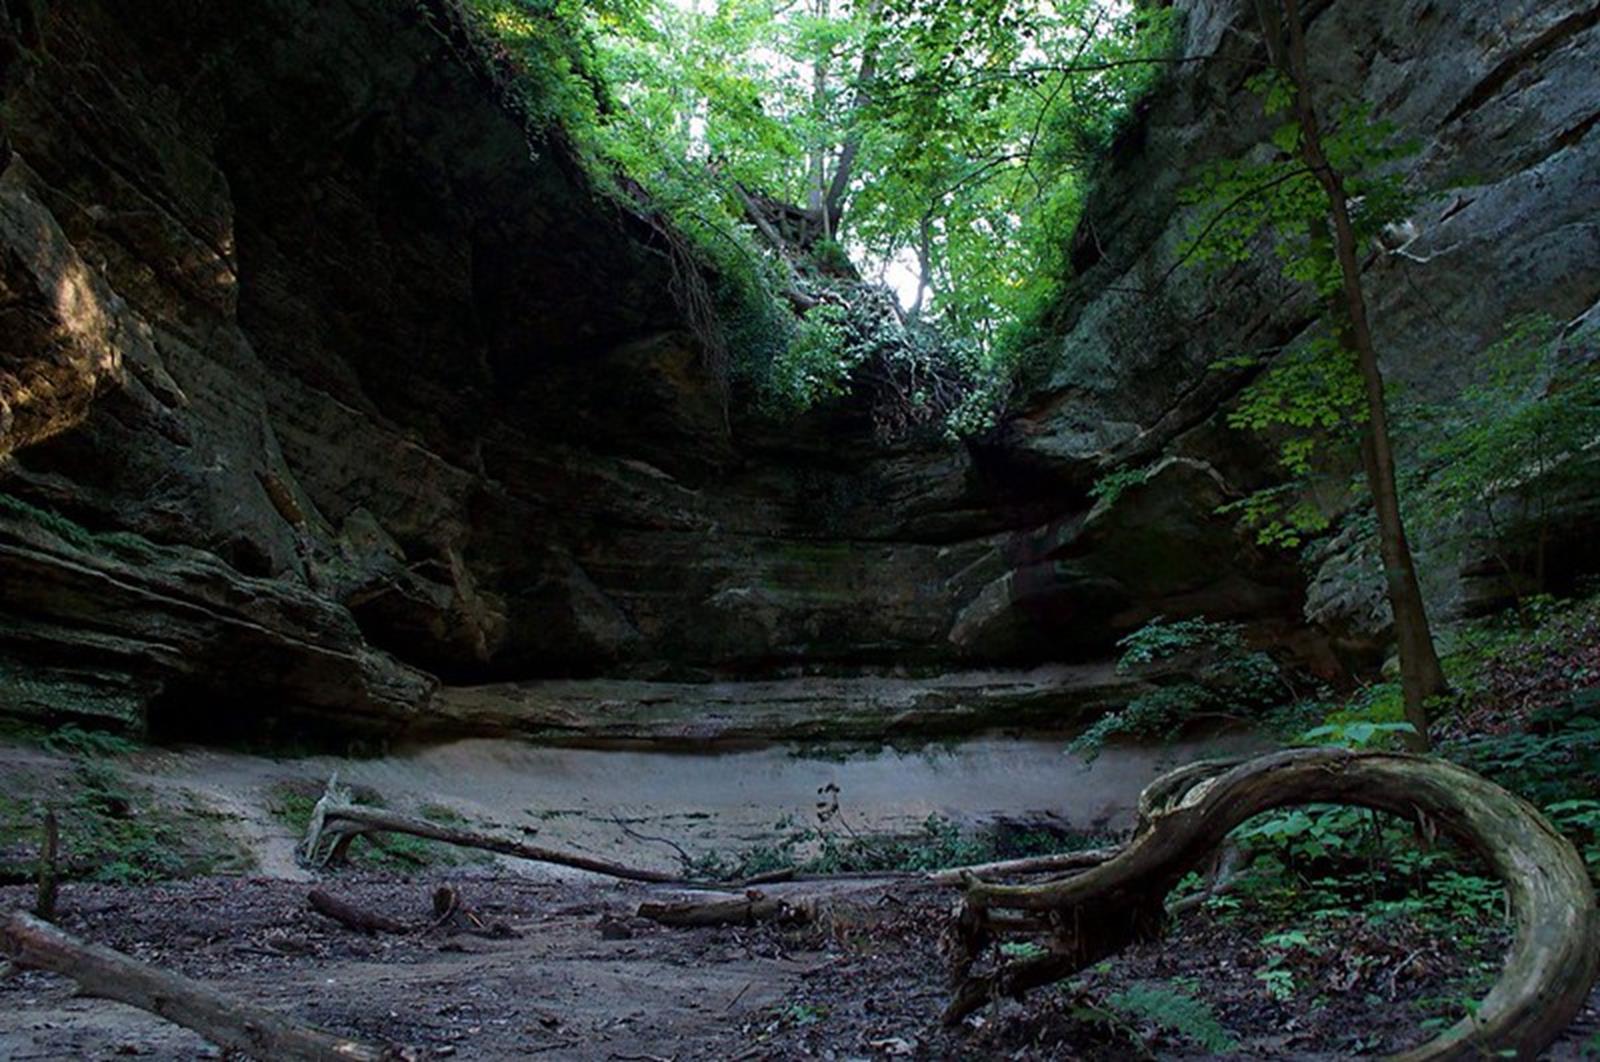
948 142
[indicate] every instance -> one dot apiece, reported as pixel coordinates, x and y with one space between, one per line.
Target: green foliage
940 843
1580 821
1021 949
1556 759
1176 1011
967 126
111 830
1224 679
1510 446
73 740
1324 861
1373 717
1160 640
1109 487
814 365
1239 199
1310 399
73 533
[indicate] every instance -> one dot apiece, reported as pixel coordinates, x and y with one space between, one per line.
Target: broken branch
335 822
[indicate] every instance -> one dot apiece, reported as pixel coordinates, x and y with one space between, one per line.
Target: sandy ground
722 800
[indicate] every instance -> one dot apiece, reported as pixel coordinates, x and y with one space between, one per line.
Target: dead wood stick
450 911
1089 857
335 822
348 914
749 909
44 900
229 1023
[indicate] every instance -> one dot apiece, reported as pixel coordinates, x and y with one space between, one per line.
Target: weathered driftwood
1552 960
231 1024
744 910
351 916
1045 864
336 822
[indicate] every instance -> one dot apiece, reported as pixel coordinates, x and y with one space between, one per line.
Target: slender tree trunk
924 265
839 186
817 162
1421 676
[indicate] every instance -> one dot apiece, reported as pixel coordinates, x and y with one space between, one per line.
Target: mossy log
1186 815
230 1023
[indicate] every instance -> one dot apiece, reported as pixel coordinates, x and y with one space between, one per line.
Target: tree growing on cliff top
1322 197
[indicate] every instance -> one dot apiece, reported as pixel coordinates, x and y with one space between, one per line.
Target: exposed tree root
231 1024
336 822
1187 814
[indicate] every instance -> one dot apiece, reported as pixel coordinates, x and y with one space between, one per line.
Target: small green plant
1109 487
1278 982
1225 680
799 1015
1021 949
1580 821
73 740
1176 1011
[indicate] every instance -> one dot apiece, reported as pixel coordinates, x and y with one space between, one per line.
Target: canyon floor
583 977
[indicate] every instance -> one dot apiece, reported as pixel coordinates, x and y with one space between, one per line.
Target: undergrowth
111 829
823 849
1326 890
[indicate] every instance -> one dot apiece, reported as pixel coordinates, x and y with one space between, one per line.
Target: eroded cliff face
1505 101
325 391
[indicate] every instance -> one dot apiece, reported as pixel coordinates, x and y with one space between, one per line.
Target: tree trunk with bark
1421 675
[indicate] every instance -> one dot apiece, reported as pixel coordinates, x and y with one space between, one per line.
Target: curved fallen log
1549 968
229 1023
336 822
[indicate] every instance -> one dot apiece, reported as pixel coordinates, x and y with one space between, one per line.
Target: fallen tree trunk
229 1023
745 910
1549 969
336 822
348 914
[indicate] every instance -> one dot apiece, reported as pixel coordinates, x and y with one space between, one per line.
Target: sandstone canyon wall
331 397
